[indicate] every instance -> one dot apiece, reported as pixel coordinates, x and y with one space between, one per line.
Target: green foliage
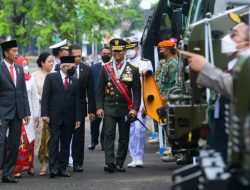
129 12
43 19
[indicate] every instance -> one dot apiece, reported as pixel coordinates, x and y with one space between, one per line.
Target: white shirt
14 68
56 61
78 70
231 64
141 64
63 76
33 98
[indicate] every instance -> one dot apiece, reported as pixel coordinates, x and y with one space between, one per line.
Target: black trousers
59 156
219 137
13 143
110 130
94 131
78 144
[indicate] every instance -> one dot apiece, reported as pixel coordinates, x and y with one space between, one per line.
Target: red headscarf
20 60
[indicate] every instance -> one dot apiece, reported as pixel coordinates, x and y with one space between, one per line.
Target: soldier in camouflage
166 76
167 71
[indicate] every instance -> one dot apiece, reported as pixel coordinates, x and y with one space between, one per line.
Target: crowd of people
44 112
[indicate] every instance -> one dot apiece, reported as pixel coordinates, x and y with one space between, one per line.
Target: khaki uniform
215 79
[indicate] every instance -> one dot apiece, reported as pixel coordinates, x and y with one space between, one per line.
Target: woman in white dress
26 150
45 63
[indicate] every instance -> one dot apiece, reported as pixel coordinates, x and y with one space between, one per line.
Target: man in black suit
106 55
83 73
14 106
60 109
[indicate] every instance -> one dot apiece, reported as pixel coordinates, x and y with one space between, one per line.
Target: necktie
12 72
66 84
76 74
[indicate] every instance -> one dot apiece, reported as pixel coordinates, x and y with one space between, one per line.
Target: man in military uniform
118 80
167 71
137 131
166 76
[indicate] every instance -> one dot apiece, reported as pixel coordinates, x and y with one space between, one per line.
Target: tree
129 12
46 20
43 19
12 18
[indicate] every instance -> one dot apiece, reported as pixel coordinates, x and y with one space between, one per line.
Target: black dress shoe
9 179
110 168
78 169
18 175
53 174
183 159
92 146
63 173
120 168
30 173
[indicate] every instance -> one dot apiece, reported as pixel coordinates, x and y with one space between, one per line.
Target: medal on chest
127 76
118 71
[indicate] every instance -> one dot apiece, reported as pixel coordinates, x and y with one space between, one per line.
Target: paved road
155 175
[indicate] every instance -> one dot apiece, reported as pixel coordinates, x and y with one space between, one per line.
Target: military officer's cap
8 44
118 44
67 59
166 43
132 42
59 44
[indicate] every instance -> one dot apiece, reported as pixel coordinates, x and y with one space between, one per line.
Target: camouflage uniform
166 75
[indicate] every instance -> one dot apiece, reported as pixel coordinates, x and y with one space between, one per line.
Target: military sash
120 86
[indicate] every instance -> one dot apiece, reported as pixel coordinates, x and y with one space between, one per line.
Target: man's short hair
106 47
74 47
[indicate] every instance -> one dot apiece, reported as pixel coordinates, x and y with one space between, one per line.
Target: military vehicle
185 109
166 21
211 171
